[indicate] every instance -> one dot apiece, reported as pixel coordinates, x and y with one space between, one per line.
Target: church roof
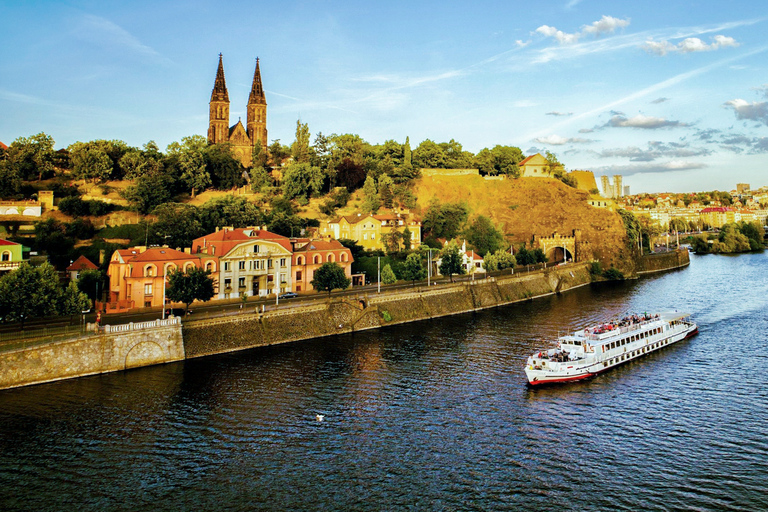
219 92
257 90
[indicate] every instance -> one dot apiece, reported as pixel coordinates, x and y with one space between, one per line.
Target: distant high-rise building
614 191
618 190
626 190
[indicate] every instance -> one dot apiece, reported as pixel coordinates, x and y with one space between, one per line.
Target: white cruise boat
593 350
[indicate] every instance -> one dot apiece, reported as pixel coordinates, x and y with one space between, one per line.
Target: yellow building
535 166
367 230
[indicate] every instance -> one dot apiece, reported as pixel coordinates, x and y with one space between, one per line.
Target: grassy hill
522 208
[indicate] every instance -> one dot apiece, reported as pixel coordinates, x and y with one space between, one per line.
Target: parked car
288 295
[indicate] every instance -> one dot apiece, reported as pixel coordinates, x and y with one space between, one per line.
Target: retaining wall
650 263
92 354
205 337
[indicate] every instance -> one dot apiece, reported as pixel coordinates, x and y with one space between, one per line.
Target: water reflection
433 415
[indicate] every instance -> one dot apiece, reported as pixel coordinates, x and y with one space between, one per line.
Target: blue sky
671 94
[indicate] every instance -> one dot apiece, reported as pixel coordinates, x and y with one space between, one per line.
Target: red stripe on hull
555 381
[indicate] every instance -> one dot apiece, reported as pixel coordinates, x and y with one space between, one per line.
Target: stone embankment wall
342 315
659 262
93 354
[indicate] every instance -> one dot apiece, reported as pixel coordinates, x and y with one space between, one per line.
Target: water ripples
427 416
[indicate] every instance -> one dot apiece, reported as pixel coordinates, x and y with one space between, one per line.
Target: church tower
218 117
256 119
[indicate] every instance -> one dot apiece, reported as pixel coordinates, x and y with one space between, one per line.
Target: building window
298 275
149 271
269 263
283 278
148 289
226 266
282 262
365 236
316 260
343 256
241 265
6 256
300 260
256 249
330 257
241 282
227 285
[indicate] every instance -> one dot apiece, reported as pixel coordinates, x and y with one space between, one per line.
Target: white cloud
605 25
659 100
102 31
641 121
631 169
688 45
557 140
755 111
522 44
555 113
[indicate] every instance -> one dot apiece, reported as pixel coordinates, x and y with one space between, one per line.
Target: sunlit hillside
522 208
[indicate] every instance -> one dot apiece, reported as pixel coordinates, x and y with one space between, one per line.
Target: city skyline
671 96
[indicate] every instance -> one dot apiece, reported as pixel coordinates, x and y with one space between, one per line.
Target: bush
613 274
595 268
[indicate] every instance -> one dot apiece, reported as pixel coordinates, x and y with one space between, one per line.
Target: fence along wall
129 347
206 337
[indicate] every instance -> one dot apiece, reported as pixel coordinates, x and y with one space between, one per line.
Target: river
432 415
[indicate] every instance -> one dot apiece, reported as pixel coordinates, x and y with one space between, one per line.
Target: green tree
414 270
429 155
385 191
302 181
388 275
259 157
407 237
32 157
483 236
444 220
407 155
194 172
300 150
234 211
10 180
371 202
189 286
91 282
259 178
500 160
391 241
499 260
177 225
451 261
73 301
51 238
29 292
225 169
330 276
150 190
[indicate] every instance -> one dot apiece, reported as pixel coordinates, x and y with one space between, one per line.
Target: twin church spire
242 139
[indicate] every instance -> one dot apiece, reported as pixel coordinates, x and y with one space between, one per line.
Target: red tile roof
7 242
82 263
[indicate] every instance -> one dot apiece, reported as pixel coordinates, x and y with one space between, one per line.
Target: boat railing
617 330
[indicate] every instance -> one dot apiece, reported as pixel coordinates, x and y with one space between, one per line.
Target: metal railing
35 337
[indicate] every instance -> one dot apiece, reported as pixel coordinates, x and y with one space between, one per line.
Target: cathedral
242 139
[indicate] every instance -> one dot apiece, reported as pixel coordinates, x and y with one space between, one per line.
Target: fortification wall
650 263
90 355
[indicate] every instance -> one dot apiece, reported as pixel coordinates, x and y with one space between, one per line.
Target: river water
433 415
